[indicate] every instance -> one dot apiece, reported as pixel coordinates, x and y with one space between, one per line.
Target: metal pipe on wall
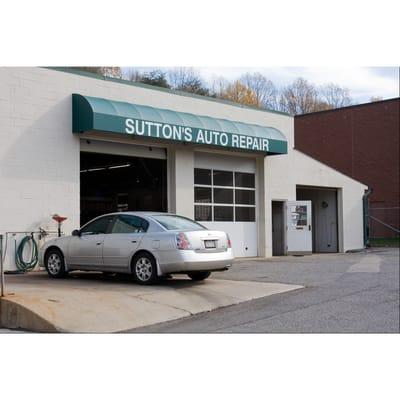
365 200
1 267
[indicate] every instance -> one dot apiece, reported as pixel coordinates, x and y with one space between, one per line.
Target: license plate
209 244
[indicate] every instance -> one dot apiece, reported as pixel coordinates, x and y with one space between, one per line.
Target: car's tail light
228 241
182 242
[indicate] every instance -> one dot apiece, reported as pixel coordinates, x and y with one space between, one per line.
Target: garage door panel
243 236
225 199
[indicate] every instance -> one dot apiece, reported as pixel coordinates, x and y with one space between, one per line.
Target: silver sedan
147 245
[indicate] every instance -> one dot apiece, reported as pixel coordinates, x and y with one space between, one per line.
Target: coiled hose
21 264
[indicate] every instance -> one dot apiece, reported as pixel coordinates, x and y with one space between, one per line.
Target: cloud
363 82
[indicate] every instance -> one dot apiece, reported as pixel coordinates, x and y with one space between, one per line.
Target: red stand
59 221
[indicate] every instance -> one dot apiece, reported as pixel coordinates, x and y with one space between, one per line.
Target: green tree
156 77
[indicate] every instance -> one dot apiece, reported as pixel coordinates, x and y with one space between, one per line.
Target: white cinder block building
79 145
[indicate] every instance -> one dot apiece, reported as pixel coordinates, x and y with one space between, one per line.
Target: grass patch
385 242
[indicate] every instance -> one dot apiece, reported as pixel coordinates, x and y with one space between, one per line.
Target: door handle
309 227
98 243
133 241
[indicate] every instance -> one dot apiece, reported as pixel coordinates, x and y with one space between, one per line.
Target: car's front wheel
199 276
144 268
55 264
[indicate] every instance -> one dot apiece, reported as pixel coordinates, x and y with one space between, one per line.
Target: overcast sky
363 82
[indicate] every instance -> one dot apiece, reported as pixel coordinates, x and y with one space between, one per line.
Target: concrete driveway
92 302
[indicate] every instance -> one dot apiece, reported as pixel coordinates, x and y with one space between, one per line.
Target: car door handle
98 243
133 241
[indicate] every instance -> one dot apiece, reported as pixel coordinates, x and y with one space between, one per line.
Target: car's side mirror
76 232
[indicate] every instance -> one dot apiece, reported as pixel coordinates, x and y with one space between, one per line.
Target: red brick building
361 141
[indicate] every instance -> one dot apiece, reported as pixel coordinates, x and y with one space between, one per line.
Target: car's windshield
174 223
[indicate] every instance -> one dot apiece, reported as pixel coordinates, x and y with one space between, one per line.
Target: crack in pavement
159 303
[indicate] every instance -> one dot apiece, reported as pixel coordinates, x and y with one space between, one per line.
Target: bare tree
300 97
179 76
263 88
134 75
375 98
218 86
187 80
111 72
335 96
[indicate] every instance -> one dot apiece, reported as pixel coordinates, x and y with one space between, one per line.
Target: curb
16 316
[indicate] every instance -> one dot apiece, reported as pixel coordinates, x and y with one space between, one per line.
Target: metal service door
298 227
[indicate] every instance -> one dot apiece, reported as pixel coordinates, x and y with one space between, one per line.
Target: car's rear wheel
199 276
55 264
144 268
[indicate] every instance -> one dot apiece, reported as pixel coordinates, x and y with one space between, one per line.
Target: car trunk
207 241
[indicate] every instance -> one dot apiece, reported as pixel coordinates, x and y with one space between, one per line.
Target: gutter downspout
365 200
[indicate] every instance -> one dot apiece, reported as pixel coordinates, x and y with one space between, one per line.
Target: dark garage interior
111 183
278 228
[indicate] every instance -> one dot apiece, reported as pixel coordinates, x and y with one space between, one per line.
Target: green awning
97 114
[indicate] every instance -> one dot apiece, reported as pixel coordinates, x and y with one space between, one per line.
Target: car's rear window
175 223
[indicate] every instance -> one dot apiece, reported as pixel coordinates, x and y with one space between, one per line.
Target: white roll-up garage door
225 196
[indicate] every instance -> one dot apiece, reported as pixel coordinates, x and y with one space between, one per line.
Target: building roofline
332 168
348 107
161 89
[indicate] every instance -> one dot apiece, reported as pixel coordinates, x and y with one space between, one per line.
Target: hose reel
26 265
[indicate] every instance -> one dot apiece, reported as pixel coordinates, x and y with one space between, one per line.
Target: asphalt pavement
344 293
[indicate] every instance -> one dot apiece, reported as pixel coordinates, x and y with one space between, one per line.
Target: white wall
39 155
283 173
180 181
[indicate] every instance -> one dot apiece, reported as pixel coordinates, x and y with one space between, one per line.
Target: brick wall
362 142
